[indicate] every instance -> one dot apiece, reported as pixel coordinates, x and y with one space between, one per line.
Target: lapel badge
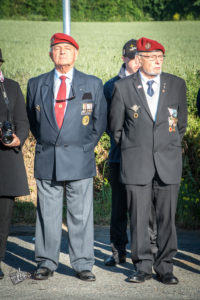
37 107
164 87
135 109
85 120
139 86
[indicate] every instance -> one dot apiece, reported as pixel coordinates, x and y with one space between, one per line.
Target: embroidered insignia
132 47
87 96
85 120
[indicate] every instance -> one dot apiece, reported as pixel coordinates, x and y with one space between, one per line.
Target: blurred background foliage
102 10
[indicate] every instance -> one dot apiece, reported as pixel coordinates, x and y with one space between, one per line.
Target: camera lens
7 132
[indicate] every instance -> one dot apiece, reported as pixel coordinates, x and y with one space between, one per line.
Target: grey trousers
139 206
79 197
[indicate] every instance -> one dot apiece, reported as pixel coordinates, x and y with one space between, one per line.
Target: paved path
111 282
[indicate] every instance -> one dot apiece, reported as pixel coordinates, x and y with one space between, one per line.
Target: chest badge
86 109
172 119
37 107
135 109
85 120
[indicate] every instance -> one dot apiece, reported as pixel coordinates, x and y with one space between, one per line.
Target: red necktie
60 104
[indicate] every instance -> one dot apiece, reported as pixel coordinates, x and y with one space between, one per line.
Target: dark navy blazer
66 154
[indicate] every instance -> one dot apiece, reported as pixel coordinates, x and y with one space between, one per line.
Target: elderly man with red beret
67 113
148 118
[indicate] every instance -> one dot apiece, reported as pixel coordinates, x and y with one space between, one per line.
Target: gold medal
60 105
85 120
135 115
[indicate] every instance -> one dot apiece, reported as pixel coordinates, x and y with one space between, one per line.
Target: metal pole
66 17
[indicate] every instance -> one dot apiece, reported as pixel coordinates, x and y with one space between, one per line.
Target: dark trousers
118 225
139 205
6 208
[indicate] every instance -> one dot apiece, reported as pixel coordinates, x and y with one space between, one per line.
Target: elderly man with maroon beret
67 113
148 118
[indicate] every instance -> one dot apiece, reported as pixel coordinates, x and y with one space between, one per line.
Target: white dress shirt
152 101
57 83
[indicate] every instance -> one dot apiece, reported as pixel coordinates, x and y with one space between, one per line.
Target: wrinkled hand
15 143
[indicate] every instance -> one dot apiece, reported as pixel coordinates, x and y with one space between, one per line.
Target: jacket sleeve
117 114
31 109
182 113
99 114
20 117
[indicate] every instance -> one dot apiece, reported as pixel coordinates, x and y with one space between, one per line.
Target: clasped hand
15 142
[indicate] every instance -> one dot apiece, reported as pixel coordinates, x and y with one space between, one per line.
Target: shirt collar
145 79
69 75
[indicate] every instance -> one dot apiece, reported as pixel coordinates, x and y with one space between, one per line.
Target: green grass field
25 46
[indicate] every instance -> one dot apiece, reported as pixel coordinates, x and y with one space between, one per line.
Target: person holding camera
14 128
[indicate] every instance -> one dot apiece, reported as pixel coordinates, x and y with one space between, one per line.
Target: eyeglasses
70 98
153 57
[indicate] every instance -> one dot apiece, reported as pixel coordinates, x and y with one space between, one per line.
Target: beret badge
147 46
132 47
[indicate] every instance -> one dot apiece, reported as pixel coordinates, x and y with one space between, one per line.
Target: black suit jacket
12 171
147 146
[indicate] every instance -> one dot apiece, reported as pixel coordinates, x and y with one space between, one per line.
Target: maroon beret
58 38
147 45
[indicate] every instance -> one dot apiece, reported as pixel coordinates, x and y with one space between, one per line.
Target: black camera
7 130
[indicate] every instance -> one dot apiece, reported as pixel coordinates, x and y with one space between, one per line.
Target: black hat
129 50
1 58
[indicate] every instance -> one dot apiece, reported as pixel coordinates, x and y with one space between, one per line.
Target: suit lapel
140 91
162 96
48 100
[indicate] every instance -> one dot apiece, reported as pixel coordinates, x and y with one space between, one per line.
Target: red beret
147 45
58 38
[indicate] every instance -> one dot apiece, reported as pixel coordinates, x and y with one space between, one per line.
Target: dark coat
147 146
114 153
13 179
66 154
